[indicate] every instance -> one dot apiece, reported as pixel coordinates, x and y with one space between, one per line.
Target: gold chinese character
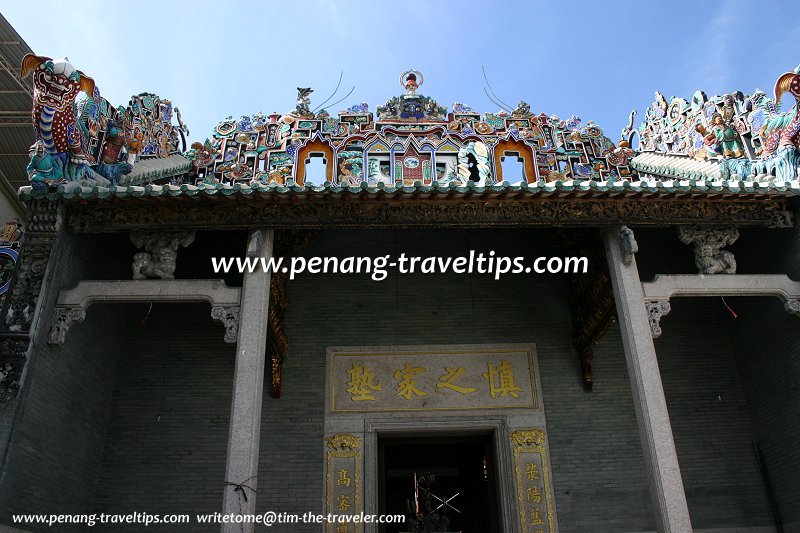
408 383
505 373
343 502
362 383
446 381
532 471
534 494
343 528
536 517
343 479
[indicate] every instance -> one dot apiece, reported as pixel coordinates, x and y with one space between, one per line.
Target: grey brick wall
767 341
167 436
710 417
57 439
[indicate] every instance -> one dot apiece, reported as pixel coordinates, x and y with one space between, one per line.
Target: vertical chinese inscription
534 486
343 481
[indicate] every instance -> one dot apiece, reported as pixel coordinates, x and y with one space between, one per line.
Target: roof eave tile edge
650 183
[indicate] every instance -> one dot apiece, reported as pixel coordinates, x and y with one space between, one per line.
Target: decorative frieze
10 243
44 222
108 217
707 243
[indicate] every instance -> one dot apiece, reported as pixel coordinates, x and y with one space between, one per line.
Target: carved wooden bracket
287 243
591 297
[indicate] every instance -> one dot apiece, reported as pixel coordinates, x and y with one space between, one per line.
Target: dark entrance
455 486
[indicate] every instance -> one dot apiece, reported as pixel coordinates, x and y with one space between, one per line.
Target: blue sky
597 60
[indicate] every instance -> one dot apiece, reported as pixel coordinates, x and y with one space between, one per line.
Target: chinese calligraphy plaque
430 380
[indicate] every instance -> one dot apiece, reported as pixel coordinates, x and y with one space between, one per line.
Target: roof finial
411 80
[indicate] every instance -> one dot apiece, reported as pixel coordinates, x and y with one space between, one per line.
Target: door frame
375 428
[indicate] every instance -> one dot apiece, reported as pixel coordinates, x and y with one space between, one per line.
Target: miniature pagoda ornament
412 107
411 80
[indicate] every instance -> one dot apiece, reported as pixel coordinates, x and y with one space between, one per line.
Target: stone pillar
241 470
661 459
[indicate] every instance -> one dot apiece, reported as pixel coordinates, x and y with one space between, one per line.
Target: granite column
241 471
655 431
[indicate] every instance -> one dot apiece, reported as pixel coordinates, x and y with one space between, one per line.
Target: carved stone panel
159 258
13 354
707 243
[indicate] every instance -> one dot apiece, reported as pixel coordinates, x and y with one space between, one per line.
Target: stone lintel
72 303
665 287
213 291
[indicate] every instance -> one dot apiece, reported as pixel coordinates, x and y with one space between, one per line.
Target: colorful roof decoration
82 140
411 139
733 144
734 136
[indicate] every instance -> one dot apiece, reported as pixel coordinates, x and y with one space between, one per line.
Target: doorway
439 483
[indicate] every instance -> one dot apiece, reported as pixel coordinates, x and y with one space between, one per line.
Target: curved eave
699 188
